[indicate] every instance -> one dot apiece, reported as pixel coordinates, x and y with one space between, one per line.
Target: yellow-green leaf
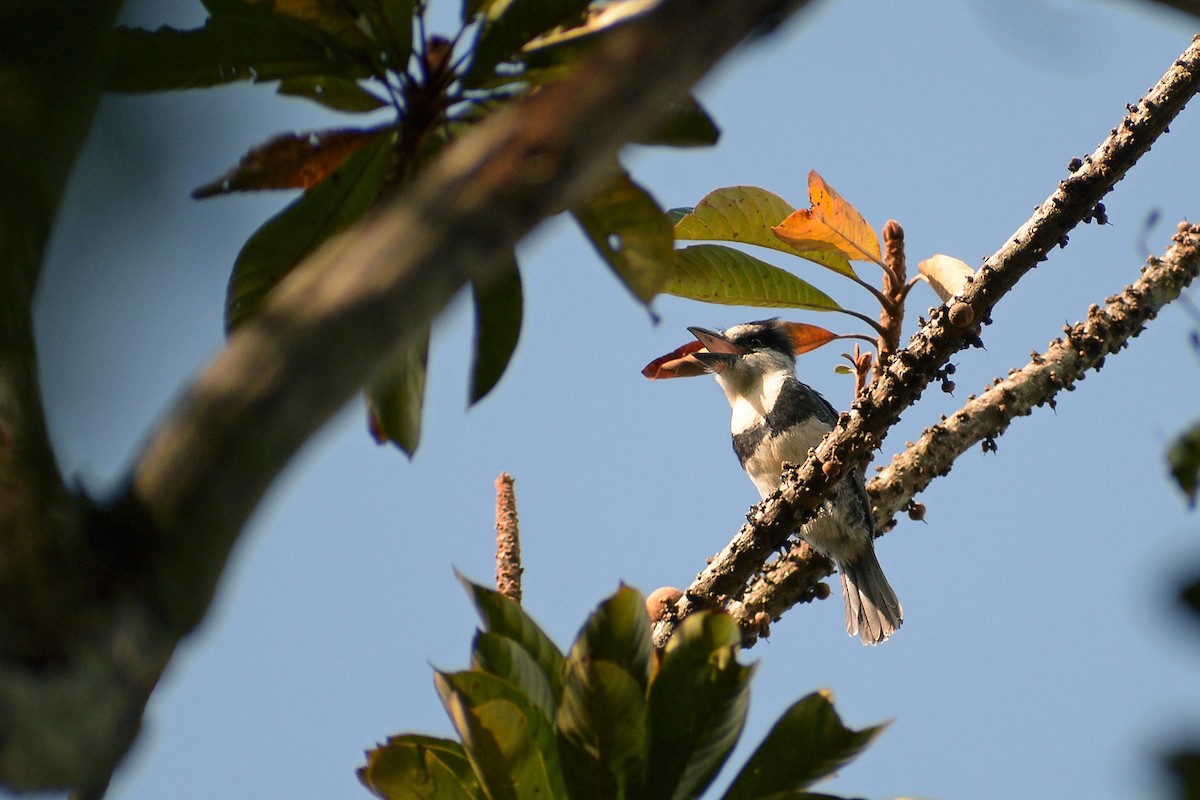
714 273
830 225
631 233
416 767
748 214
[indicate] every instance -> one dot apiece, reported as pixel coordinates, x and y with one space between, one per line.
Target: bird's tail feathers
873 612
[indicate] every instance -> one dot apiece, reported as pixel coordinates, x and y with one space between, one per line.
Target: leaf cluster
610 718
363 56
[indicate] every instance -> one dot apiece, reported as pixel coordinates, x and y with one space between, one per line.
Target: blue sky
1041 654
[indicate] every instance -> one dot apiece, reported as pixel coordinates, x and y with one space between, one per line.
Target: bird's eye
756 343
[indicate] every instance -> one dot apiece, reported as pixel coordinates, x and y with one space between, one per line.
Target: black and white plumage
777 418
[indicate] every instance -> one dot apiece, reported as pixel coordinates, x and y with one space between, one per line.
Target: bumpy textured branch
794 577
508 540
950 329
326 327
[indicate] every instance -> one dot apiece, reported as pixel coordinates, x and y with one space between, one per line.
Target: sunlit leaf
569 44
808 743
498 310
806 338
1184 460
396 395
748 214
946 274
627 228
327 208
511 745
698 703
506 618
289 161
507 25
715 273
245 42
415 767
676 364
687 125
619 632
830 225
339 94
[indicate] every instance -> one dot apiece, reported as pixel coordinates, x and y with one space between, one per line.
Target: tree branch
860 431
322 332
795 576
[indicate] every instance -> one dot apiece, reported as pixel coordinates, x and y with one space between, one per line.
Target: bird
777 418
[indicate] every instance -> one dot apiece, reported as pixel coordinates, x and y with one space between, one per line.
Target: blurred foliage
376 57
608 719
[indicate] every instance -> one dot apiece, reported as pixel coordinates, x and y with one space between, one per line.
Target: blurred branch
324 330
794 578
951 328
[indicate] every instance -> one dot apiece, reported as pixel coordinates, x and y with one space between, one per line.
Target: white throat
752 400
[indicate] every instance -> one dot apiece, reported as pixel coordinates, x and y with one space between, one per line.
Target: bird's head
758 348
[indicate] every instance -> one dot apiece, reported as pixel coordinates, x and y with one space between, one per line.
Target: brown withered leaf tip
289 161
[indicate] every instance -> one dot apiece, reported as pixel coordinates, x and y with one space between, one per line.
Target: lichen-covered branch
860 431
795 577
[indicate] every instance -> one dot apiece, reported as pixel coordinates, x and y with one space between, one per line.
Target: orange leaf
831 225
946 274
807 337
289 161
676 364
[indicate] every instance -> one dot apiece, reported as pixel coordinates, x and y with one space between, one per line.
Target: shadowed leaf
339 94
715 273
1184 460
498 311
627 228
502 616
506 659
396 395
507 25
289 161
698 703
748 214
391 22
239 42
511 745
808 743
602 730
830 225
946 274
687 125
415 767
618 632
325 209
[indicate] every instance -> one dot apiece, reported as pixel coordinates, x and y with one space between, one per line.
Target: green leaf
511 745
602 730
688 125
502 616
243 41
747 214
508 24
506 659
631 233
414 767
619 632
808 743
498 310
391 23
340 94
396 395
285 239
714 273
1184 459
698 703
